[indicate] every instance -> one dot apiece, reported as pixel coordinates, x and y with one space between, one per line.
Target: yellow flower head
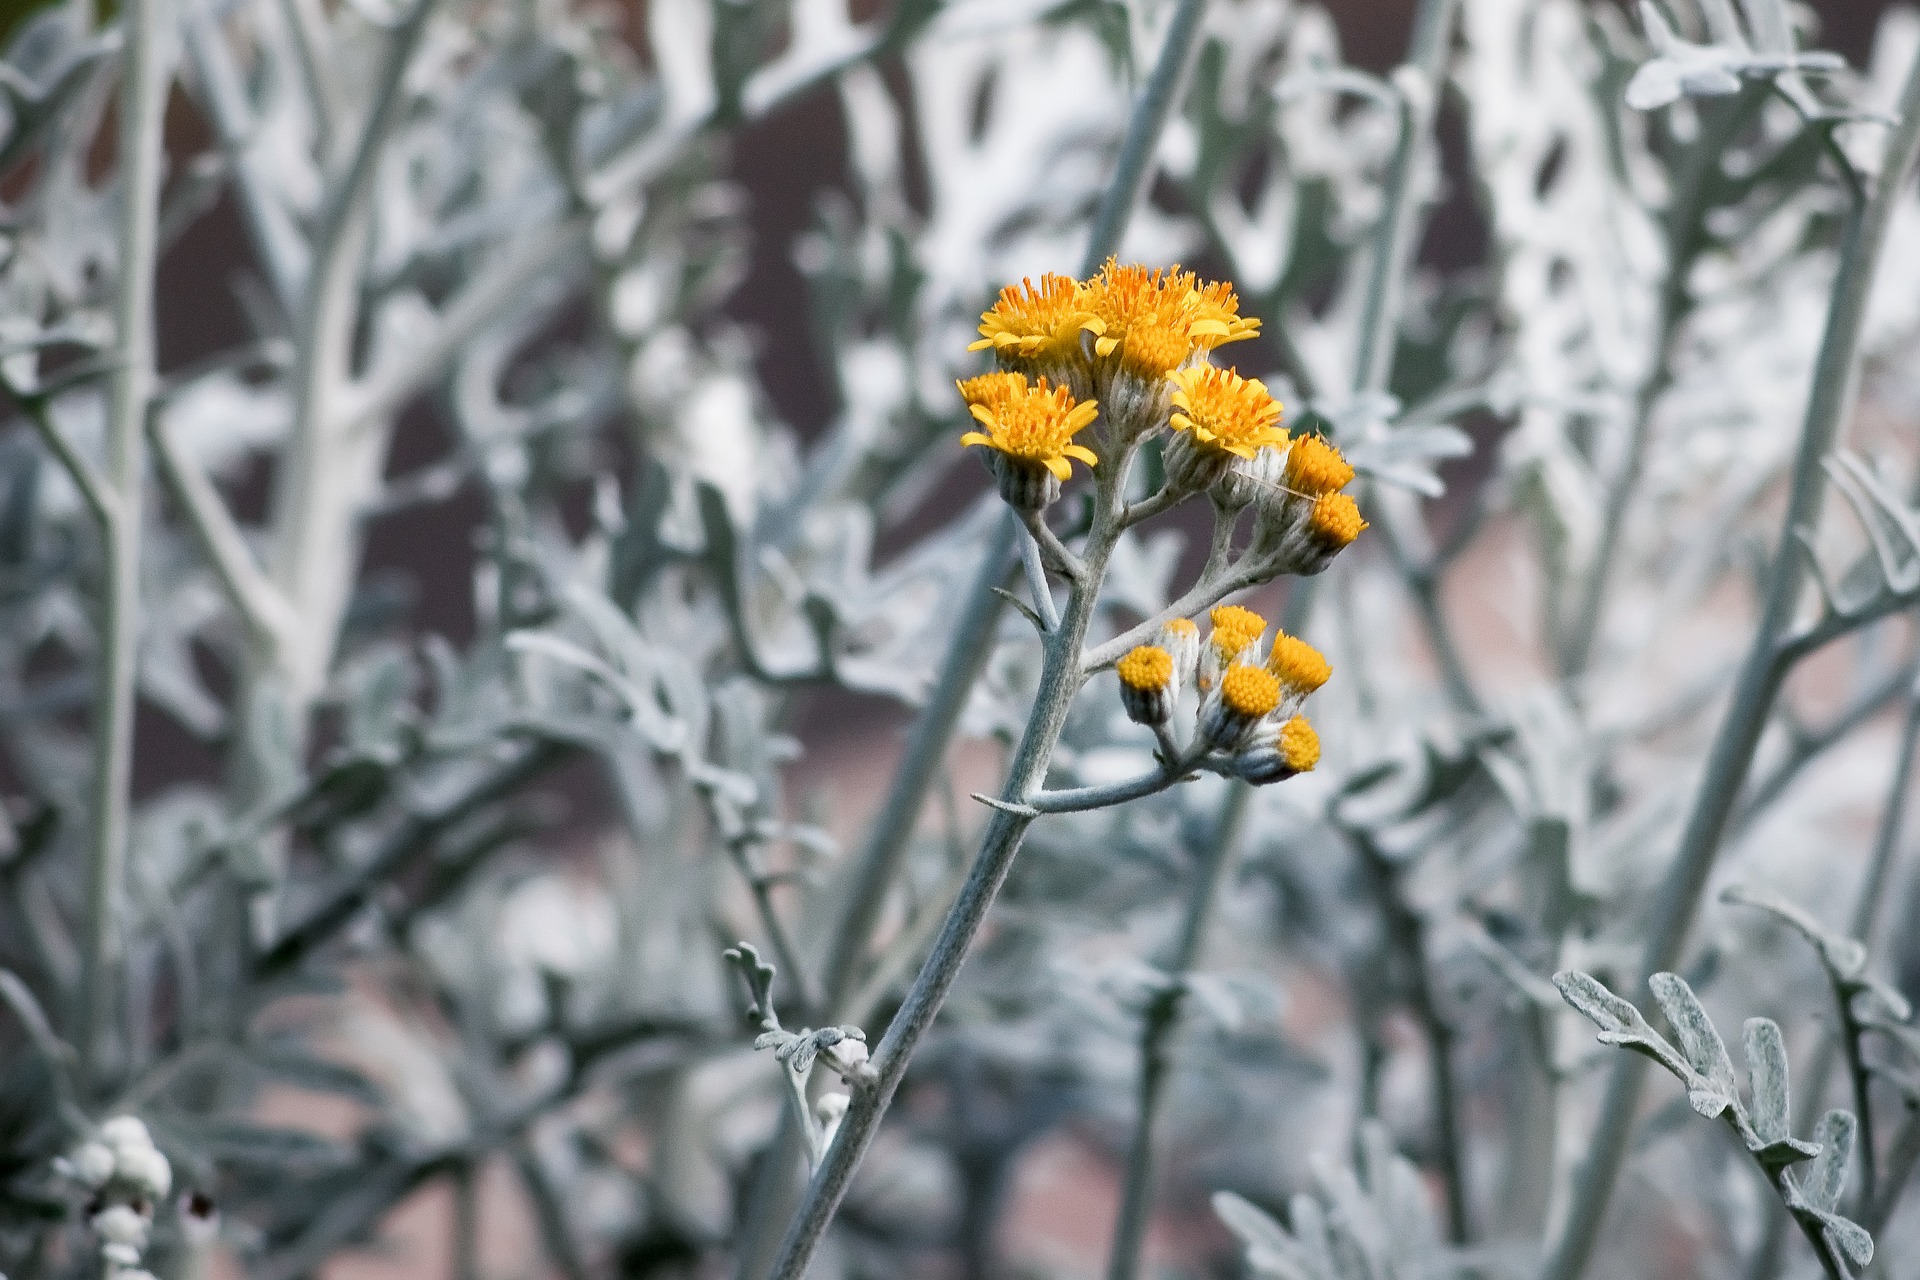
1315 467
1146 667
1299 745
1126 299
1234 628
1335 520
1300 667
1032 423
1183 627
1214 316
1152 351
1225 412
1250 691
1034 322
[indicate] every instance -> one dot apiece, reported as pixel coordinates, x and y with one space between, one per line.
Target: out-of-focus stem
1156 1032
1684 239
1419 83
1836 376
143 90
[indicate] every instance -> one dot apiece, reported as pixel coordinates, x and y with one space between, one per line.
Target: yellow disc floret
1299 745
1250 691
1127 299
1226 412
1032 423
1153 351
1315 467
1300 667
1146 667
1214 316
1335 520
1036 322
1244 626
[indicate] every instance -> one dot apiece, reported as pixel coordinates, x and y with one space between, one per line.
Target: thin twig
1157 1026
143 95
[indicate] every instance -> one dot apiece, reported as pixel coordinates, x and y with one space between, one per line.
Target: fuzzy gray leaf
1619 1022
1767 1070
1714 1089
1843 957
1828 1177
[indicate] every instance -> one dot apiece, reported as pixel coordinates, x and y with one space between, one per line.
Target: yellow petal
982 415
1083 453
1208 328
1103 346
981 345
974 437
1061 468
1094 325
1083 413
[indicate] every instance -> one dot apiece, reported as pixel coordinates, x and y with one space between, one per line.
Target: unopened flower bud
125 1133
146 1169
846 1056
1293 748
1147 685
120 1224
1246 694
1247 479
91 1165
1181 639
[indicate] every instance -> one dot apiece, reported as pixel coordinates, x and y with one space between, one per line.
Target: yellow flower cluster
1154 320
1143 339
1249 706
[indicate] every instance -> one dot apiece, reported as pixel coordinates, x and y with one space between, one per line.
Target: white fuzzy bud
121 1224
125 1133
846 1056
91 1165
146 1169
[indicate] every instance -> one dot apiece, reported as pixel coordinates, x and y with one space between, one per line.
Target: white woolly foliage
541 589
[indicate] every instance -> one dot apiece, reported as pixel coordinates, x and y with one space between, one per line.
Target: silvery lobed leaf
1714 1088
1619 1022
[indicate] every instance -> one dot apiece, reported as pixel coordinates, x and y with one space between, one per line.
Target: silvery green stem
1158 101
328 473
1685 236
1037 581
1836 375
1419 83
1156 1031
143 94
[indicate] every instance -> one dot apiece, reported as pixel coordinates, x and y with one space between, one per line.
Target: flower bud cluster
1306 518
127 1177
1248 702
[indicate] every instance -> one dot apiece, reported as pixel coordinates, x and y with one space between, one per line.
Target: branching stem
1836 375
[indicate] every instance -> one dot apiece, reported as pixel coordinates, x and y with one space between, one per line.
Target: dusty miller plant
1616 710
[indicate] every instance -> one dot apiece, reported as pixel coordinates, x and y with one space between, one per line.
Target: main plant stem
1836 376
1161 1020
1060 679
143 90
939 720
